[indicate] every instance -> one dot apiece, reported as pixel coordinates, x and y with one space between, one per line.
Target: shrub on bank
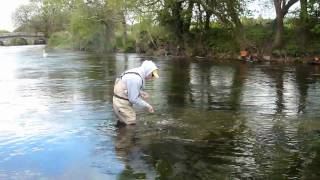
60 40
221 41
129 46
4 31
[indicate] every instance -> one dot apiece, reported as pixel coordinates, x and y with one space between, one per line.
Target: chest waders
121 104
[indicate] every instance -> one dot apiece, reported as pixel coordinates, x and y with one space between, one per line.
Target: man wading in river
128 91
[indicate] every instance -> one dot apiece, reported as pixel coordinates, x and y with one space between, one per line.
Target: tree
54 14
92 25
48 16
304 18
314 15
234 10
282 8
228 12
23 15
171 16
123 9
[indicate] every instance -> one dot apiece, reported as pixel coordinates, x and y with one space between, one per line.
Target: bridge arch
22 38
19 41
39 41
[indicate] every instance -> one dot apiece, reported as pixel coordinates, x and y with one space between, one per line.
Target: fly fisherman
128 91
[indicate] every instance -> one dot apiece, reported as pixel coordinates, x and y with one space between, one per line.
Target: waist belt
120 97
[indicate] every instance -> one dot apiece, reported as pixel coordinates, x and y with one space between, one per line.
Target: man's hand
144 95
150 109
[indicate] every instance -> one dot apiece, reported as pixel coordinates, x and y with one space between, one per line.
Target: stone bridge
22 38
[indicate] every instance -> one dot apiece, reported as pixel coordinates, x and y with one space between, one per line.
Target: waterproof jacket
133 82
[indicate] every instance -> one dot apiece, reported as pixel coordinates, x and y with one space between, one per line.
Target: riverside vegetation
187 28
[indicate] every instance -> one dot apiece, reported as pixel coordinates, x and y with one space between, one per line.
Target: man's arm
144 94
133 87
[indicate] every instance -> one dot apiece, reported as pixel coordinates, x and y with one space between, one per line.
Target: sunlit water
213 120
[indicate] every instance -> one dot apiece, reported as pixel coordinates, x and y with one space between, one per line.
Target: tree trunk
125 29
207 21
303 30
278 38
282 9
177 9
241 36
179 26
277 42
188 16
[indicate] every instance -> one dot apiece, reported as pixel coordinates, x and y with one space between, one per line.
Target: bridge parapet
22 34
30 38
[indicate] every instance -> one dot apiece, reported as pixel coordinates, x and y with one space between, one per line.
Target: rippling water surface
213 120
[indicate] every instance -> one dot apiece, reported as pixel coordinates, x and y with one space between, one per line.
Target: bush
4 31
258 34
60 40
314 47
129 46
316 29
292 49
221 40
119 41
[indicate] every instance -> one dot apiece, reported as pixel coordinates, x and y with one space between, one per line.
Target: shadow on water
213 120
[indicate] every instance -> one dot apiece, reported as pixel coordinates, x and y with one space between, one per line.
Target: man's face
149 77
153 75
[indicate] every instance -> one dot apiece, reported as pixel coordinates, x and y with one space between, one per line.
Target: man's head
150 69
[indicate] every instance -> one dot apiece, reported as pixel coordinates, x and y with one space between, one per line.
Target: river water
213 120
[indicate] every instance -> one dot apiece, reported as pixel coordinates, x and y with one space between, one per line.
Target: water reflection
263 101
128 150
213 120
179 76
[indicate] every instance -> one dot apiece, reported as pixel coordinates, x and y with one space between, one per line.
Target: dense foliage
177 27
